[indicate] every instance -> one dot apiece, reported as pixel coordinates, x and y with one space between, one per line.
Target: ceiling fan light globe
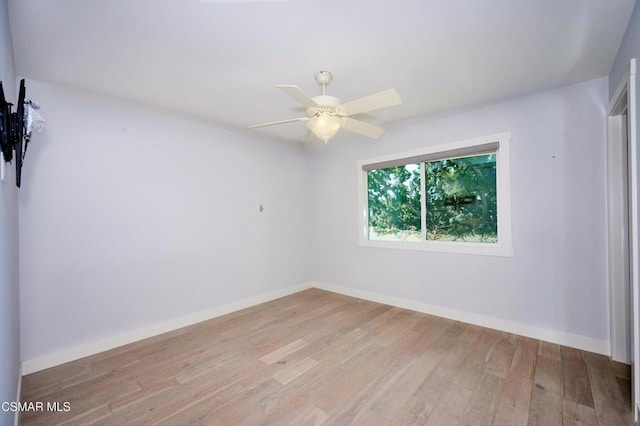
324 127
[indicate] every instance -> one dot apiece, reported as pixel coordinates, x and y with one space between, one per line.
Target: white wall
131 217
9 282
557 279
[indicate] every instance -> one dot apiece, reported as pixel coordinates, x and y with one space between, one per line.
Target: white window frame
503 191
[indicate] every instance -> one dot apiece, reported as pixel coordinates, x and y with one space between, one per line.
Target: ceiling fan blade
379 100
298 95
362 128
291 120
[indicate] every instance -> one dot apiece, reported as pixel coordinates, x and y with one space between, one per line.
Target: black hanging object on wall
18 147
5 127
14 136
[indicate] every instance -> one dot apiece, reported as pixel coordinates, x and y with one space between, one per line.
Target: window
452 198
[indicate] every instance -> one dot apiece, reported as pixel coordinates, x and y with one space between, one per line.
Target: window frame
503 189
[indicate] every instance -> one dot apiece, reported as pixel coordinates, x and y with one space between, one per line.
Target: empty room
293 212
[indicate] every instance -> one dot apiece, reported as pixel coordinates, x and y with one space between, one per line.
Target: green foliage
394 199
460 196
461 199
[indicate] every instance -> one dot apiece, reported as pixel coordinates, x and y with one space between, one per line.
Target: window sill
443 247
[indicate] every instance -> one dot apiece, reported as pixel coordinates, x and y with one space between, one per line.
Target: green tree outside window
460 201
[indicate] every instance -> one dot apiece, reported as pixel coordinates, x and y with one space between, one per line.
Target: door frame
623 229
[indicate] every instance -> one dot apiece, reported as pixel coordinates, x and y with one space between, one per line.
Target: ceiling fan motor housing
327 105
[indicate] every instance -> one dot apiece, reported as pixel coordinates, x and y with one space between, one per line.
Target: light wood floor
321 358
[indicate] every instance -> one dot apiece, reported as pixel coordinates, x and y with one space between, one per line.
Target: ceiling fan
326 114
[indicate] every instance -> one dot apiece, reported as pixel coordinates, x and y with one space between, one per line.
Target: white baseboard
560 337
80 351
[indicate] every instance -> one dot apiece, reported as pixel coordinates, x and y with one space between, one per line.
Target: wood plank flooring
320 358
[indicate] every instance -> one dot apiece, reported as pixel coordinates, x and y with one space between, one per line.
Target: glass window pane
394 203
461 199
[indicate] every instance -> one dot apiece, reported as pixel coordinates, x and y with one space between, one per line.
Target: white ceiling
221 59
